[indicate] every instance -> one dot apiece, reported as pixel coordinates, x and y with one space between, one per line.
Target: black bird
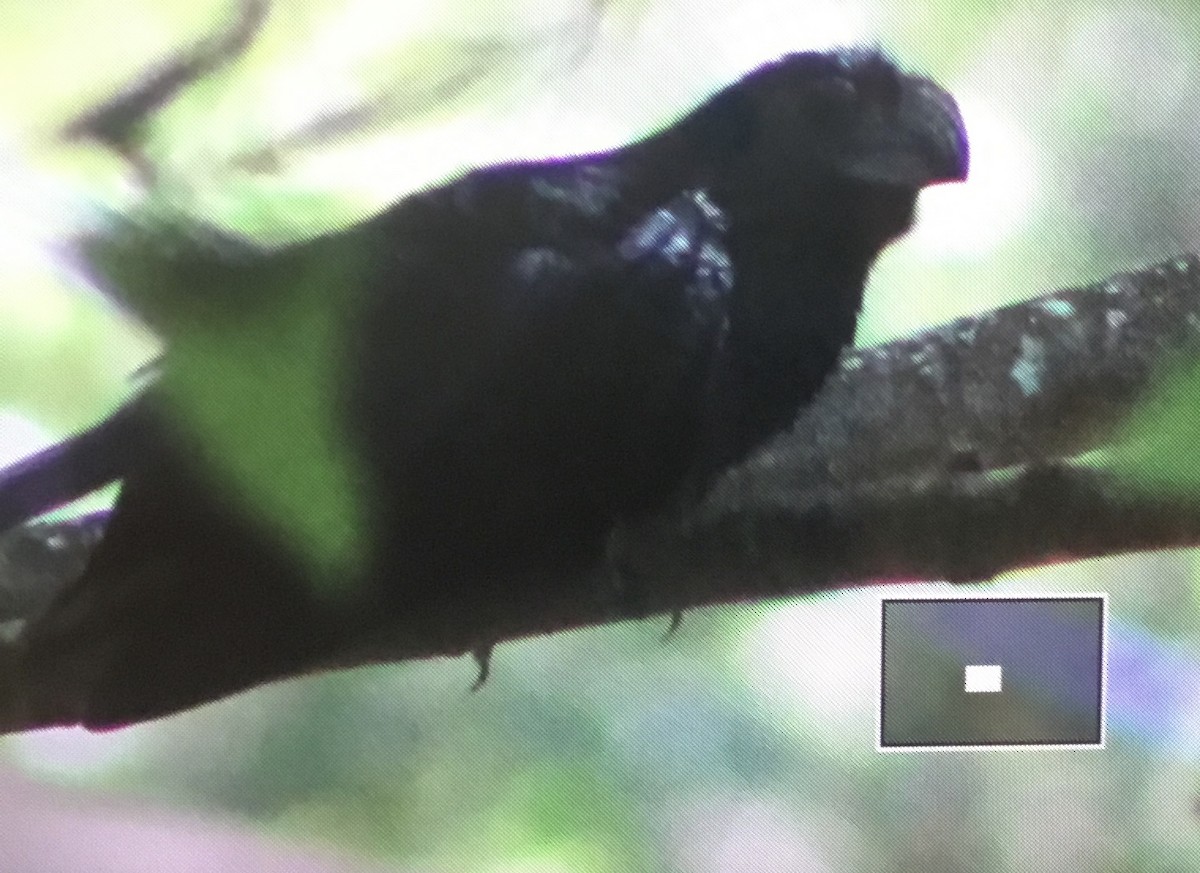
526 359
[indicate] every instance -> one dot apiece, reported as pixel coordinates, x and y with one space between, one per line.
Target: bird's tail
71 468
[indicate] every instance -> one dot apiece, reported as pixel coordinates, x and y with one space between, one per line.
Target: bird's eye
865 76
843 87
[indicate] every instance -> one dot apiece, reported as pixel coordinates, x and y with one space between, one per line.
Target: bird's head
808 122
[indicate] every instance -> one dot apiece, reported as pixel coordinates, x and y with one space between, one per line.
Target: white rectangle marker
982 678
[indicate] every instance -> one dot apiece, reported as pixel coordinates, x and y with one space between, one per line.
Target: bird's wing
184 601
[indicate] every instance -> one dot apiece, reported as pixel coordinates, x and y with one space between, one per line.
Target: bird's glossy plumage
531 355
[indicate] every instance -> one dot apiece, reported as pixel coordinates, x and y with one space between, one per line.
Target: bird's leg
623 594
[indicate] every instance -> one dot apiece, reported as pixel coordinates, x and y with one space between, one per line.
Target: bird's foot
624 594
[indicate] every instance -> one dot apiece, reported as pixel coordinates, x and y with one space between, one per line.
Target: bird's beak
920 141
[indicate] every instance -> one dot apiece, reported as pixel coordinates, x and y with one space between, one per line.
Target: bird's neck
802 265
786 286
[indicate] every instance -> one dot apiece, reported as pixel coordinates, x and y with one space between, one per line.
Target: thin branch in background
116 121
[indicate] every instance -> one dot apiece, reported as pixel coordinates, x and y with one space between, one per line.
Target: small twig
117 120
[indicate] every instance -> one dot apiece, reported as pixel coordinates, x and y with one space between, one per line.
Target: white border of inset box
942 595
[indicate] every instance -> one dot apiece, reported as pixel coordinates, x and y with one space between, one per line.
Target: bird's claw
676 621
483 660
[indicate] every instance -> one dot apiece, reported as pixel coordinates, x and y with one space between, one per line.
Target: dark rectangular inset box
992 672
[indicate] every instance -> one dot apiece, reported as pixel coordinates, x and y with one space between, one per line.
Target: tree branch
948 455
